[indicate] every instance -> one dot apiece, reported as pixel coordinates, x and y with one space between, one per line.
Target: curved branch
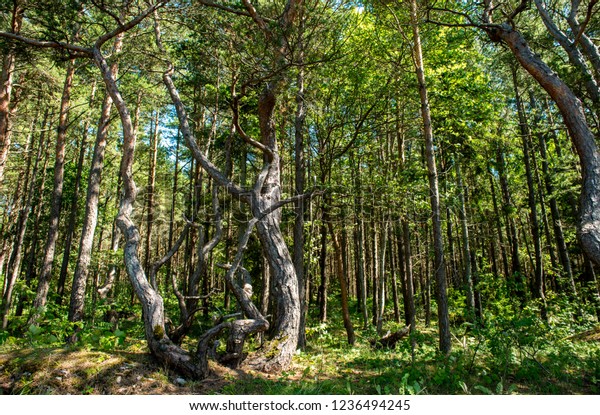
249 140
586 21
130 24
256 17
189 136
156 266
48 44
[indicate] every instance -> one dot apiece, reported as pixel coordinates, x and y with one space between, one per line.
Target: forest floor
328 367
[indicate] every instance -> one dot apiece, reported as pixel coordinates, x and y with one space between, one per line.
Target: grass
514 353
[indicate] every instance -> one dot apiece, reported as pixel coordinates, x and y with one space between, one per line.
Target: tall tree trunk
6 84
56 203
409 291
299 177
14 262
468 278
359 244
343 286
394 267
150 197
382 281
516 284
445 344
90 220
533 216
561 245
175 189
113 269
38 207
498 223
323 264
74 206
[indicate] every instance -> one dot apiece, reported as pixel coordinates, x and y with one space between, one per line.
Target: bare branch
586 21
257 18
102 8
190 138
249 140
156 266
48 44
289 200
524 5
130 24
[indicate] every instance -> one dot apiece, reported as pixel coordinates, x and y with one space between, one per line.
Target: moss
158 332
273 349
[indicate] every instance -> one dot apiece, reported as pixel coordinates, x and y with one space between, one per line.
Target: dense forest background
362 197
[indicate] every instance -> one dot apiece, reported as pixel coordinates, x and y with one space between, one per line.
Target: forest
299 197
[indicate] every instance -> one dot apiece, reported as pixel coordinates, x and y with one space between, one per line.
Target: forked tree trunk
152 303
263 202
285 283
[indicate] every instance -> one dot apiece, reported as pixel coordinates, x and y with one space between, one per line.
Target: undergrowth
505 352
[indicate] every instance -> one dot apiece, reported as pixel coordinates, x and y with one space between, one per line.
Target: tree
6 85
573 113
90 220
439 266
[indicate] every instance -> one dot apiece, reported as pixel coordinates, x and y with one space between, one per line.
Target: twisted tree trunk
583 139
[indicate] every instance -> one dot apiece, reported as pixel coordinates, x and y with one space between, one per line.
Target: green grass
514 352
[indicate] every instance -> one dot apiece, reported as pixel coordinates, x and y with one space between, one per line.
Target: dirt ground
64 371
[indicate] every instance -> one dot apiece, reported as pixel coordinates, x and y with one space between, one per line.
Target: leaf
35 330
484 389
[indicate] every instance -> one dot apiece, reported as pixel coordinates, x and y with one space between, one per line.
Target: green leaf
35 330
484 389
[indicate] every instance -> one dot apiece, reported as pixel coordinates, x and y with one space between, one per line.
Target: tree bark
14 262
56 203
343 286
150 198
468 278
6 84
90 220
445 344
74 206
